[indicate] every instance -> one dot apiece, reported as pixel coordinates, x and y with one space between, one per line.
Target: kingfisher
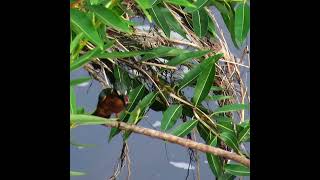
111 100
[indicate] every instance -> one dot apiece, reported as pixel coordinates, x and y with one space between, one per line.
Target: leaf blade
184 128
159 19
73 103
111 19
82 22
230 108
170 117
237 169
79 81
243 135
181 3
182 58
82 60
200 22
214 162
77 173
205 81
231 140
242 22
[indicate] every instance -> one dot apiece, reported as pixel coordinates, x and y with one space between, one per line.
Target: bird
113 99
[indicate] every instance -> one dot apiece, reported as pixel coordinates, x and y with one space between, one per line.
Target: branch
165 136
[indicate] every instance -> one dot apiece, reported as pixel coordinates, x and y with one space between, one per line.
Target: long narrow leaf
190 76
185 3
82 60
244 134
159 19
230 108
170 117
231 140
242 22
214 161
82 23
79 81
205 81
75 42
73 102
200 22
184 128
237 169
182 58
111 19
76 173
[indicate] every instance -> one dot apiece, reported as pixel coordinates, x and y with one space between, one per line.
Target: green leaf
172 22
79 81
230 108
111 19
182 58
227 176
185 3
200 22
214 161
139 111
227 14
146 4
82 119
204 132
221 7
120 54
212 29
81 145
73 103
80 111
170 117
190 76
216 88
163 51
84 59
75 42
184 128
237 169
144 104
205 81
225 126
95 2
159 19
242 22
76 173
244 134
220 97
135 96
82 23
199 4
231 140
